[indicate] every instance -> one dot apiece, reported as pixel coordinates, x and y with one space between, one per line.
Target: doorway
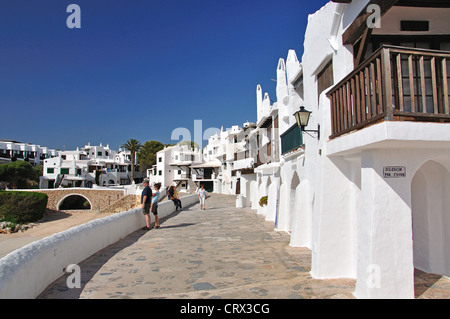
430 206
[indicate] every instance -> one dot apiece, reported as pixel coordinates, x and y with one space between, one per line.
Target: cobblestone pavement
221 252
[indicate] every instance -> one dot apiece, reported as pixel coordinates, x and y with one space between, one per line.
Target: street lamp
302 117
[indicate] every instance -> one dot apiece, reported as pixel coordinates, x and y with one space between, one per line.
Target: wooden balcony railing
395 83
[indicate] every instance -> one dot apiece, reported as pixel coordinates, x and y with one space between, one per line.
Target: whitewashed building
368 195
32 153
87 167
173 167
228 161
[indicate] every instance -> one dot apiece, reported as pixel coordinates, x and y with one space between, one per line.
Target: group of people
149 201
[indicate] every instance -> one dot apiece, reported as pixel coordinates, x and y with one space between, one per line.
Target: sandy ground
52 223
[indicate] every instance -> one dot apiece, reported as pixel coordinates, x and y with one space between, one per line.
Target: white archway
430 209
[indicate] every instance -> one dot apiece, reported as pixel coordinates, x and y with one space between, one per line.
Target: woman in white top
202 196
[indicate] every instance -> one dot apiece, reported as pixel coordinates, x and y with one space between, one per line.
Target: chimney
259 102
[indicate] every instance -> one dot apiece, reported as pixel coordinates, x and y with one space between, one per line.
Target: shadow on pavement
91 266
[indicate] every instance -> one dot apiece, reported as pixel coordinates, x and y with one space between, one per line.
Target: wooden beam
363 46
355 31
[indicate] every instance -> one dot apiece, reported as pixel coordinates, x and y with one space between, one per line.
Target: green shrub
18 174
22 207
263 201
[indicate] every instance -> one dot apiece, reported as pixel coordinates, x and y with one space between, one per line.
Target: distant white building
17 151
85 167
173 167
226 157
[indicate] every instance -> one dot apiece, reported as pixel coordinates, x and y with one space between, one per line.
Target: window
99 153
64 171
160 173
160 159
325 78
50 170
179 172
414 25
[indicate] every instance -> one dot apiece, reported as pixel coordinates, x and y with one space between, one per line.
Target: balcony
246 163
393 84
291 140
181 177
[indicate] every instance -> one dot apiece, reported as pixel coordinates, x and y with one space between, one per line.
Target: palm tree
133 146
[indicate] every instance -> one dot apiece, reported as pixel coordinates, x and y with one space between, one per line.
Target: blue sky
139 68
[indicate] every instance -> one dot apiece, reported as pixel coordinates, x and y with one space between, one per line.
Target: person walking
146 200
154 209
202 197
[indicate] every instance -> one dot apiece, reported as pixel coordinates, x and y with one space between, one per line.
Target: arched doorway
74 202
430 205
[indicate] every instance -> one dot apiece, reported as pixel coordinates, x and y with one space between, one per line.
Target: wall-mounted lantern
302 117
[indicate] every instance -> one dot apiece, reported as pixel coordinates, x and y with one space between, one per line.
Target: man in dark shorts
146 201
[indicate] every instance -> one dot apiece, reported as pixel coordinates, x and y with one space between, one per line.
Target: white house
81 168
32 153
173 167
265 141
367 194
228 162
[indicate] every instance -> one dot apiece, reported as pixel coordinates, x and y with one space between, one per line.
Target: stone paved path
223 252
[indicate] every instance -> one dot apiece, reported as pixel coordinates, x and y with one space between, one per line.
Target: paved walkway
223 252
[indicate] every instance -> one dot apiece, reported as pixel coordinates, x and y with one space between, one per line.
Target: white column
284 206
272 201
302 216
385 252
333 249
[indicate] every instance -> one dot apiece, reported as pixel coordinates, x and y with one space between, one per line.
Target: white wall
26 272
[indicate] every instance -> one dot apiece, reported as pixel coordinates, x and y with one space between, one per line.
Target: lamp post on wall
302 117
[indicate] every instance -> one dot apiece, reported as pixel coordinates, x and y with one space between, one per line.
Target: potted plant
263 201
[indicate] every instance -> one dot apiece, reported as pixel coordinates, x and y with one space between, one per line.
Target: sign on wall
394 172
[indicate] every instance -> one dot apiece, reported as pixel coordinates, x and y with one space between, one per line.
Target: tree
147 155
38 170
17 173
133 146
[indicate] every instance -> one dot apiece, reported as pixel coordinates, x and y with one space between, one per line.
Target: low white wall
27 271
